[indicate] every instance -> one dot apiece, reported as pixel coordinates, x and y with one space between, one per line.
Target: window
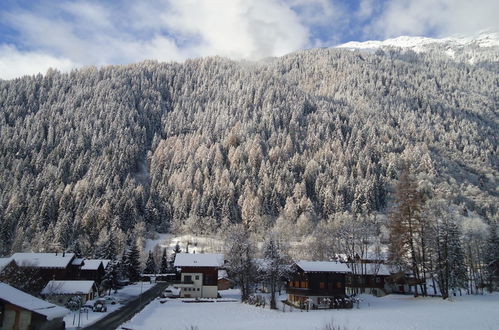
330 286
304 284
197 277
297 284
290 284
198 289
187 278
321 285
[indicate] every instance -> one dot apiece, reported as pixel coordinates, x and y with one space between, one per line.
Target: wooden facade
317 289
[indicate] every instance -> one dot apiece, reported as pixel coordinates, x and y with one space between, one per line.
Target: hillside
286 142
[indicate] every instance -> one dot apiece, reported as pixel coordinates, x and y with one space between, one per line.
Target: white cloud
441 17
88 32
14 63
236 28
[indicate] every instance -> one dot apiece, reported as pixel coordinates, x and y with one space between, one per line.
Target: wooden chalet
198 274
368 278
93 269
7 266
49 266
19 310
318 284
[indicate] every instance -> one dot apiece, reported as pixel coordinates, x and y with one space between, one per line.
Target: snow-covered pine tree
150 265
110 281
176 250
133 263
164 267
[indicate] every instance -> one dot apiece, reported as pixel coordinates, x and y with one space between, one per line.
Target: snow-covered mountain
481 47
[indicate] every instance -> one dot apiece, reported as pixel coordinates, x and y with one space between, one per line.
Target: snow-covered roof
372 269
67 287
4 262
77 261
26 301
323 266
93 264
222 273
199 260
43 260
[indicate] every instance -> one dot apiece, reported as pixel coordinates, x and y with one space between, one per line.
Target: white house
59 292
199 274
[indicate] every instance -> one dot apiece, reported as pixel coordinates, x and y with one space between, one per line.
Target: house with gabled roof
49 266
94 269
60 292
318 284
19 310
198 274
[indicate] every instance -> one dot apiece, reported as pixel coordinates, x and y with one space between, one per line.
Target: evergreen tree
164 267
133 263
150 265
175 251
110 281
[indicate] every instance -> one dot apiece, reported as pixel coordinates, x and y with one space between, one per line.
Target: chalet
49 266
60 292
198 274
7 266
19 310
318 284
368 277
94 269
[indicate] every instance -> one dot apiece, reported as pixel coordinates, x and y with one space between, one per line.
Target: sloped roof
199 260
323 266
93 264
43 260
34 304
373 269
222 273
68 287
77 261
4 262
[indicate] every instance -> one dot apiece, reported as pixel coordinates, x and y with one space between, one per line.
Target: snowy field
390 312
122 296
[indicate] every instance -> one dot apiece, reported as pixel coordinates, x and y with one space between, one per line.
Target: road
125 313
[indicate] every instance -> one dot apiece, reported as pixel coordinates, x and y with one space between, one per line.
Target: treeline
289 143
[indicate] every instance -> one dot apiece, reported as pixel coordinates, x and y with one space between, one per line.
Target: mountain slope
472 49
196 146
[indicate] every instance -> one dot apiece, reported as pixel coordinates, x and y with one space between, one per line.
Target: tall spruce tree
164 266
275 266
150 265
133 263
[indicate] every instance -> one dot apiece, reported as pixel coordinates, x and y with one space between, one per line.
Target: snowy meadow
390 312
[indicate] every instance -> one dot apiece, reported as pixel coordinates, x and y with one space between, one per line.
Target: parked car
110 300
170 292
100 306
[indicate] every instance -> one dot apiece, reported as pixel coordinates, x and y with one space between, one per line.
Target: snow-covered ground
197 244
122 297
391 312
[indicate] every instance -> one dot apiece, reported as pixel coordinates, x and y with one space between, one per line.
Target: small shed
60 292
224 282
19 310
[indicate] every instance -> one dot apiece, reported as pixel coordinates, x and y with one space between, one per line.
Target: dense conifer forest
291 143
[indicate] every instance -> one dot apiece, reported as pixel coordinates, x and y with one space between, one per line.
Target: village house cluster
62 276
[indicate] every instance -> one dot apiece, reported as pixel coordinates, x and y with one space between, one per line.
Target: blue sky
36 35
